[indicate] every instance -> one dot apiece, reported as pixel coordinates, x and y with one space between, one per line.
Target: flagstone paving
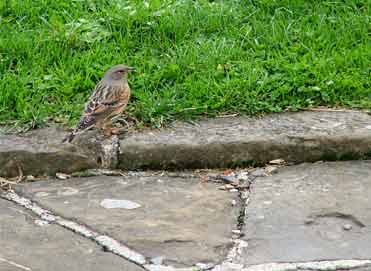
27 243
178 221
303 217
310 212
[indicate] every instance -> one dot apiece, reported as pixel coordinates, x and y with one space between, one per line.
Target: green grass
193 57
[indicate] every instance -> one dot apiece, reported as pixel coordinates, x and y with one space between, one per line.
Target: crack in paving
349 217
244 198
238 243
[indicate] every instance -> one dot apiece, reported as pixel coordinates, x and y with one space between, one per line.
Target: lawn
193 58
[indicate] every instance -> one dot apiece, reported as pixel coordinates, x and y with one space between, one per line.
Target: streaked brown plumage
108 100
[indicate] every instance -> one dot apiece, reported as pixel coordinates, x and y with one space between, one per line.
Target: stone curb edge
213 143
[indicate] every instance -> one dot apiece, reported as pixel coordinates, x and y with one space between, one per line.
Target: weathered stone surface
27 246
40 152
223 142
104 150
295 137
298 214
181 221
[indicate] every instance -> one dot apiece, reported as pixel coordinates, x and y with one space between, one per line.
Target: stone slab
310 212
180 221
40 152
25 245
227 142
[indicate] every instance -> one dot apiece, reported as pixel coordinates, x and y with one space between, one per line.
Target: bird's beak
130 68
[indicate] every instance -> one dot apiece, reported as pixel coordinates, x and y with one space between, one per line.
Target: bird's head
118 72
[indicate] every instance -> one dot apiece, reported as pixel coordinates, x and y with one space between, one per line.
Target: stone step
232 142
222 142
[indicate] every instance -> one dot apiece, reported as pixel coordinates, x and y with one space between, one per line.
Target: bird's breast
125 91
122 95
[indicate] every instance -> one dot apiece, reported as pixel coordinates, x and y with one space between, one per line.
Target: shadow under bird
109 99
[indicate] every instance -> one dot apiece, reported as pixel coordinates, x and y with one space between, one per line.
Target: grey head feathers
117 72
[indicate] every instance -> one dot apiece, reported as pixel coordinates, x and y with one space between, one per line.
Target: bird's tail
85 123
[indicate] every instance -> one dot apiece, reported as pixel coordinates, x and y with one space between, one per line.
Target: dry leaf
62 176
277 162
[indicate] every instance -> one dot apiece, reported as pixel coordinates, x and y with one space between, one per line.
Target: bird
108 100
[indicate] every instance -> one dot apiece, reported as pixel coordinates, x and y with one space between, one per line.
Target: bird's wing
99 106
86 121
101 100
104 100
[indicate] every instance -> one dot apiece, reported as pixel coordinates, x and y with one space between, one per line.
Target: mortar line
15 264
238 243
106 242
